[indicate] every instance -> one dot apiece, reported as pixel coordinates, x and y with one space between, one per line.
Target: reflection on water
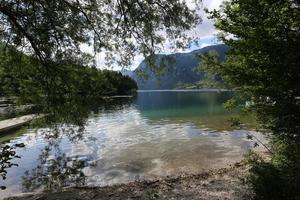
154 134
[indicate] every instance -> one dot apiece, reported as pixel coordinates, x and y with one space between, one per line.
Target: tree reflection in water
62 118
7 154
54 171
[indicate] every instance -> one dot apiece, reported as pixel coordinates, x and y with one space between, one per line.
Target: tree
264 60
54 30
264 65
48 35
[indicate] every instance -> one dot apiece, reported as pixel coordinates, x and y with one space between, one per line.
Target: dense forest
22 76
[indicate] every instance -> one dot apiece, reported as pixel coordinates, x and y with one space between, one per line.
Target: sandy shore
218 184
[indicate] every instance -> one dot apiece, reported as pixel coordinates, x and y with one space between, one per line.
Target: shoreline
223 183
186 90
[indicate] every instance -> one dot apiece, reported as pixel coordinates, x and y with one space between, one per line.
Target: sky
206 31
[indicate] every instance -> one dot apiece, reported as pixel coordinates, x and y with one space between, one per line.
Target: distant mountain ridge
179 68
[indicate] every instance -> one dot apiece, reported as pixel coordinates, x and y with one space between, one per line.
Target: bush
279 178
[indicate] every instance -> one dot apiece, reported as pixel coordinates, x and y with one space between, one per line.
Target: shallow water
155 134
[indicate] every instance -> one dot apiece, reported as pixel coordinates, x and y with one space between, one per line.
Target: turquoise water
155 134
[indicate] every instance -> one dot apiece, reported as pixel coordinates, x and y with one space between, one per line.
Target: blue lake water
155 134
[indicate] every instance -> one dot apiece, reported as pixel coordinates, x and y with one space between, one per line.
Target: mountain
178 68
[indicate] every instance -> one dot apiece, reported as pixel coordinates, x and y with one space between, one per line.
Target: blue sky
204 42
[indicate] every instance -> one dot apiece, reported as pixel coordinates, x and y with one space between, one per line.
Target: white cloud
205 45
137 60
86 48
205 31
212 4
206 28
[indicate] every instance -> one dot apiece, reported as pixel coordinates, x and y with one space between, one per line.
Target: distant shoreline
187 90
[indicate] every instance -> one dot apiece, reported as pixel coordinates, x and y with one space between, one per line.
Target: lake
155 134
